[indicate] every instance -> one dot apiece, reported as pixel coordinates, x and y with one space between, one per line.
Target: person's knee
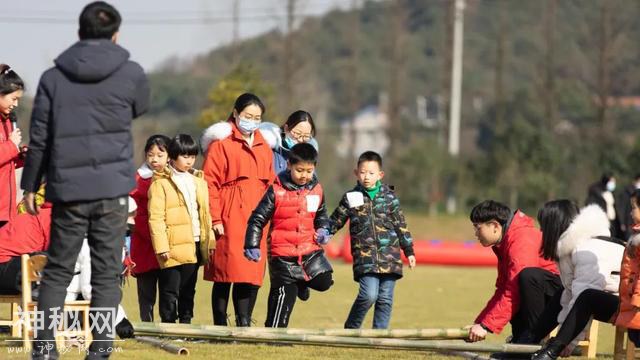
367 298
528 276
323 282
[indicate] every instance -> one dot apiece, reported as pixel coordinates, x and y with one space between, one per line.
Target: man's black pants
104 224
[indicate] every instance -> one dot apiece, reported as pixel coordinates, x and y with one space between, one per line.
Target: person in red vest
527 284
295 206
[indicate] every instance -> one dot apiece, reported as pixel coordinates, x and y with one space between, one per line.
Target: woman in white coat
588 257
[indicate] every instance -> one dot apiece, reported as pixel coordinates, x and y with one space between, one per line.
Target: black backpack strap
612 239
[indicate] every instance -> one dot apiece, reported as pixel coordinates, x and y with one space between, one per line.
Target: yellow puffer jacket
170 222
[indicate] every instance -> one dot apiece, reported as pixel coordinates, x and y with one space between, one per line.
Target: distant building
370 132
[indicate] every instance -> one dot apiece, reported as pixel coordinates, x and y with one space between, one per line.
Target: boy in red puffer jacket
295 206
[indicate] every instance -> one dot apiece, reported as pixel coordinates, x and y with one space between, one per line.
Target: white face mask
611 186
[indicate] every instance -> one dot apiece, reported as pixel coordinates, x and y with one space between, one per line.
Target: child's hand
218 229
322 236
252 254
412 261
164 256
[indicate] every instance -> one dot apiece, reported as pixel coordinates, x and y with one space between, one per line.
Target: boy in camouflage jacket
378 231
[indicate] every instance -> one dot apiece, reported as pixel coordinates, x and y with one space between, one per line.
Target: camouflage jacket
377 228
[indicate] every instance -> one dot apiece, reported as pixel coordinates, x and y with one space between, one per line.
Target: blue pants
374 289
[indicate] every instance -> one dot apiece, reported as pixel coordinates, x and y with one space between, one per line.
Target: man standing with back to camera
80 141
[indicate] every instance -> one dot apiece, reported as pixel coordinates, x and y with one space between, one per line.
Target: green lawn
426 297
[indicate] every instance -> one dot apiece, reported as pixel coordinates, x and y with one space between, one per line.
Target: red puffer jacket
295 213
628 314
142 253
10 159
518 249
293 221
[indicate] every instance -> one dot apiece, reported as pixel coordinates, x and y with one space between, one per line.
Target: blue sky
34 32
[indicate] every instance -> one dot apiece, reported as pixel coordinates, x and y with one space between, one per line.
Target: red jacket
142 253
518 249
25 234
292 225
628 314
238 175
10 159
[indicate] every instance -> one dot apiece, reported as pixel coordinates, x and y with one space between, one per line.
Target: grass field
427 297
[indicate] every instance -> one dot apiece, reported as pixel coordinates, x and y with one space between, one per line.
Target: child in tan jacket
180 226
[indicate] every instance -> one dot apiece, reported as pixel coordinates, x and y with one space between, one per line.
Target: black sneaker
303 292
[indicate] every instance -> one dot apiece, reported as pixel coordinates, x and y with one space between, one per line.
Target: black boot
243 321
550 351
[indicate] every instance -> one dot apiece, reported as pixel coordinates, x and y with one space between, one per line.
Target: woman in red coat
11 89
238 169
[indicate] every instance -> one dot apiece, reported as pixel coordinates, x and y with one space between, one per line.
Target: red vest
292 226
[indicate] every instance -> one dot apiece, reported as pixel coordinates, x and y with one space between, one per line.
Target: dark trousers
104 223
282 298
172 280
244 299
147 284
540 292
594 303
188 292
10 276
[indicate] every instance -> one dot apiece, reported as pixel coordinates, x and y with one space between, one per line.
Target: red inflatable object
436 252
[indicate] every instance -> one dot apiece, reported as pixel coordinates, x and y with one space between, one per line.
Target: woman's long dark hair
555 218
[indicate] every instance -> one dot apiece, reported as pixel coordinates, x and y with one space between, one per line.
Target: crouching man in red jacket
528 287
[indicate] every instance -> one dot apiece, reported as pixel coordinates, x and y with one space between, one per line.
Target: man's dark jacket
80 138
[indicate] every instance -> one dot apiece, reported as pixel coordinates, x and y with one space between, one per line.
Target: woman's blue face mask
247 126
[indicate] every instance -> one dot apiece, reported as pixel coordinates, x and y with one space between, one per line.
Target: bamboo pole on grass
164 345
431 334
227 335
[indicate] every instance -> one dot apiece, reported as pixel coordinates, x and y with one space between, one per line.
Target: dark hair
370 156
99 20
161 141
9 80
635 197
555 218
182 144
637 177
490 210
245 100
297 117
303 152
604 179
